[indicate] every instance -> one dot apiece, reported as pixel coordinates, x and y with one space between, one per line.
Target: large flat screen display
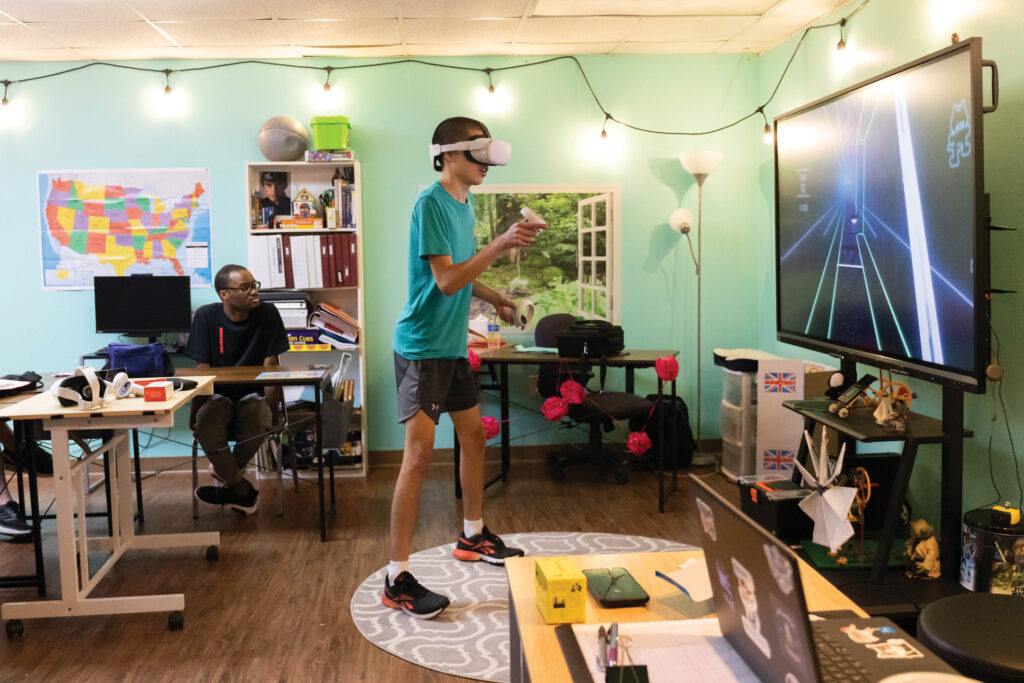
143 305
878 230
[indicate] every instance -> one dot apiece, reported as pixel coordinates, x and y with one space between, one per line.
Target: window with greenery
568 267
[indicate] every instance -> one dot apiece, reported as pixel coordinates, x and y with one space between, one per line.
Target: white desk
76 582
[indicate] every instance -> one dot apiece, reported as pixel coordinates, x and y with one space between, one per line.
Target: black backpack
34 380
675 411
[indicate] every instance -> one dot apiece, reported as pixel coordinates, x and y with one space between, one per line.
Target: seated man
12 523
241 330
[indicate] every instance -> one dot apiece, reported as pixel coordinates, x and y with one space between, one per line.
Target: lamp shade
680 219
700 163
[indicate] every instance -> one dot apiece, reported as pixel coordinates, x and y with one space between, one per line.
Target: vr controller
530 216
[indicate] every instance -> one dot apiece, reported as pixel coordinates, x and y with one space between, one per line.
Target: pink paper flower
638 443
572 391
474 361
491 425
555 408
667 368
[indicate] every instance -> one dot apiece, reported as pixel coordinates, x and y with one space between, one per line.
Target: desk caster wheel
212 553
14 628
175 621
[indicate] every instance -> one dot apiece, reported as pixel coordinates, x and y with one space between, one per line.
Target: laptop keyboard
834 659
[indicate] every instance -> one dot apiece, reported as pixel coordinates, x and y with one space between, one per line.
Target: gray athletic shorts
435 386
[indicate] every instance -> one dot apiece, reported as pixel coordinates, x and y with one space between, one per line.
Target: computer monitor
143 305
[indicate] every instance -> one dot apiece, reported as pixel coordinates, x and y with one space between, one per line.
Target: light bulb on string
327 81
768 136
841 45
167 81
604 131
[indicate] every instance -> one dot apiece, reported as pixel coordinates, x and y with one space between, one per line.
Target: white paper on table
693 576
695 646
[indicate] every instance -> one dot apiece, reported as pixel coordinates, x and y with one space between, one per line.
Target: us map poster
124 222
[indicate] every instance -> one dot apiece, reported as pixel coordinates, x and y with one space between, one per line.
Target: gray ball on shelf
283 138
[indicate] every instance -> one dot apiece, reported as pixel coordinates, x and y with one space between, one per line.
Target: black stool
978 634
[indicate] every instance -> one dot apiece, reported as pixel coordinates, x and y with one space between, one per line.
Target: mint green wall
100 118
884 35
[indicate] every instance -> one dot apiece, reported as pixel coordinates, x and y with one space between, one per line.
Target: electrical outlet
533 390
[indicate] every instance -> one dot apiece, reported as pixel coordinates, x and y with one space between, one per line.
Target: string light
768 136
485 70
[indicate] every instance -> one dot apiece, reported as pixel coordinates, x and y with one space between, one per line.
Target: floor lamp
700 165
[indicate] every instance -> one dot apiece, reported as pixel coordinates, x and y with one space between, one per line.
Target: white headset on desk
88 389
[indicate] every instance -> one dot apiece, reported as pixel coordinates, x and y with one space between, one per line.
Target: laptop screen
757 591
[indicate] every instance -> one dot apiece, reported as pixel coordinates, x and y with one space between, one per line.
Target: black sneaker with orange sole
484 546
408 595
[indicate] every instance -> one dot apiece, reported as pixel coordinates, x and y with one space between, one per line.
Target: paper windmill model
828 505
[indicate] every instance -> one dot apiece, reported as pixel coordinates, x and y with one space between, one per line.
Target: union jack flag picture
777 459
780 382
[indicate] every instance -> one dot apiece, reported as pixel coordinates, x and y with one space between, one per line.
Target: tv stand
949 433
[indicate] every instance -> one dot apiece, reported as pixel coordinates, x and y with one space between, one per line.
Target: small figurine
922 553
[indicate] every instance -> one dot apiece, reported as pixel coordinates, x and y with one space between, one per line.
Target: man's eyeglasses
248 287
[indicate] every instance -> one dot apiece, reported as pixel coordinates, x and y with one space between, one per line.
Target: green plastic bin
330 132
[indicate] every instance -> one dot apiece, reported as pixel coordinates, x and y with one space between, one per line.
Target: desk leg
37 518
320 464
630 377
892 511
65 514
506 444
951 510
457 461
661 446
138 475
517 667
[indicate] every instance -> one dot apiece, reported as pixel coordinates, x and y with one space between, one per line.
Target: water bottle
493 335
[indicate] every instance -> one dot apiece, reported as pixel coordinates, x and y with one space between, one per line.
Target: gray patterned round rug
470 638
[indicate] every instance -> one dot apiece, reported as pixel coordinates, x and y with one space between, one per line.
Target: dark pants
220 419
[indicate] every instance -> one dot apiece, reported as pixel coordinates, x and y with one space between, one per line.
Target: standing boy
431 365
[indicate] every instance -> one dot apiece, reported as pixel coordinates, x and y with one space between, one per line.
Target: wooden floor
276 605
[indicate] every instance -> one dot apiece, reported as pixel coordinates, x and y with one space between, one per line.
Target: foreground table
76 581
534 649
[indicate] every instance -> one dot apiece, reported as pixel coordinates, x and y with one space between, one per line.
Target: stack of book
304 261
335 326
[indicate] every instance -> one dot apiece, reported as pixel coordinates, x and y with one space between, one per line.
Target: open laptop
759 599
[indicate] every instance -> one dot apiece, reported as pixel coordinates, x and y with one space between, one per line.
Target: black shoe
226 496
484 546
11 521
409 596
43 460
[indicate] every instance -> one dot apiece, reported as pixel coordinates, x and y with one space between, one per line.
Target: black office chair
597 411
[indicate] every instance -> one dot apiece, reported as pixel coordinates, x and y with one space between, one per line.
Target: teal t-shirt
432 325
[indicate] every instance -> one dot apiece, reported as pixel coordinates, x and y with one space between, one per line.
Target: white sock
396 568
472 527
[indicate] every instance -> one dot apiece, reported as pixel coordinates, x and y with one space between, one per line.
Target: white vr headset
88 389
488 151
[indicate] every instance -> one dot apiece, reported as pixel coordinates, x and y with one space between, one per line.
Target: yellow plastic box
561 590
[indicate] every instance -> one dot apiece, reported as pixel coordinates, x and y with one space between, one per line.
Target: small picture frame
304 209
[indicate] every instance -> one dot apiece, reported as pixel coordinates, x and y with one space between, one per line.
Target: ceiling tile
368 51
54 55
332 9
745 47
563 48
441 31
594 29
583 8
244 52
67 10
812 9
465 9
21 37
701 29
225 33
342 32
130 53
200 10
668 48
102 34
459 50
772 29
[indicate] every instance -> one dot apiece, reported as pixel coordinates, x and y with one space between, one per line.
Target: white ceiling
75 30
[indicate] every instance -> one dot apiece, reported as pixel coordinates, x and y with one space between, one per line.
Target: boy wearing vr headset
431 366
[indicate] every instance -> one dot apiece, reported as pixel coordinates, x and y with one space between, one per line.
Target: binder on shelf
354 259
276 253
331 274
315 271
259 259
289 278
